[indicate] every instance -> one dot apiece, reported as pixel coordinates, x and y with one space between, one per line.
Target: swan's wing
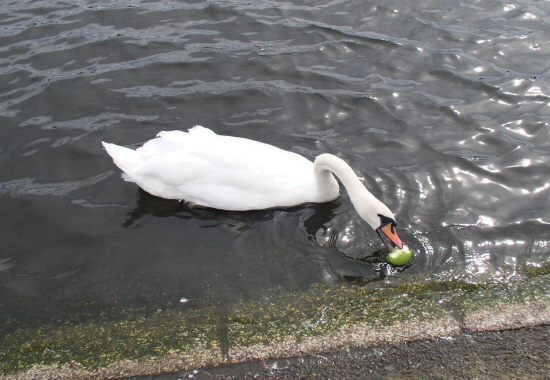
223 172
201 145
200 130
227 172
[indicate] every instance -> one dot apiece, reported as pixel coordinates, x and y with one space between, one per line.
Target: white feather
233 173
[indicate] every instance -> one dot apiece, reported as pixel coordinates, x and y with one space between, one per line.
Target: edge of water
319 320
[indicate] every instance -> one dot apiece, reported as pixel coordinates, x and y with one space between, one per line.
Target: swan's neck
366 204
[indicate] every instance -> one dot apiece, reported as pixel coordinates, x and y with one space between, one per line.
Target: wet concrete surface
511 354
484 332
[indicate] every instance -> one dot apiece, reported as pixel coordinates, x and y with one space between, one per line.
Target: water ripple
441 108
27 186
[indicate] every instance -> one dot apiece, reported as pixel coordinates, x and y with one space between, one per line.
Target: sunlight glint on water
442 109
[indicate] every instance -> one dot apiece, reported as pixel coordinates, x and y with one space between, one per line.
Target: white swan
232 173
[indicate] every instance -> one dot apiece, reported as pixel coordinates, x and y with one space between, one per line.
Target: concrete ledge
319 320
359 336
507 317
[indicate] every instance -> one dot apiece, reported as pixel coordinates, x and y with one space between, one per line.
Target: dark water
442 107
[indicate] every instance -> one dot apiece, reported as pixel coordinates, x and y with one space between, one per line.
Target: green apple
399 256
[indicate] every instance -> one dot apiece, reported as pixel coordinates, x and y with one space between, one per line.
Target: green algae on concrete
95 344
515 304
535 270
322 309
344 317
315 320
299 314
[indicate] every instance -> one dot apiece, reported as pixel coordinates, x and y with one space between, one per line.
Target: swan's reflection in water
335 243
148 204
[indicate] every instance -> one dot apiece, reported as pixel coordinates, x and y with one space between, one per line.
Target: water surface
442 108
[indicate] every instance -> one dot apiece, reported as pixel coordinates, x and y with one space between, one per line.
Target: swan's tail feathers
126 159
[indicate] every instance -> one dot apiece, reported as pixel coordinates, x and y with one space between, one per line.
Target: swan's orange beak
389 236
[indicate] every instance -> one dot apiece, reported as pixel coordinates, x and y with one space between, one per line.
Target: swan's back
223 172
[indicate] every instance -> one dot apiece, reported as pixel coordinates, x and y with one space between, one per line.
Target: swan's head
387 232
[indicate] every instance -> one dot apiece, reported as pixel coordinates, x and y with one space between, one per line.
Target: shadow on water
316 222
148 204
